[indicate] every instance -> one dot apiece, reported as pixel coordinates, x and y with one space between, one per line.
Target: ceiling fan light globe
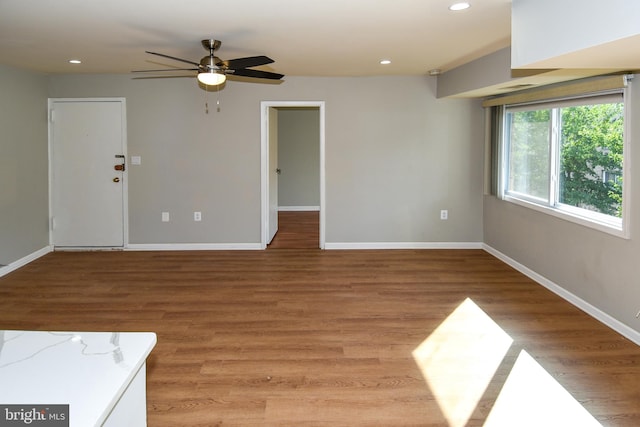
211 78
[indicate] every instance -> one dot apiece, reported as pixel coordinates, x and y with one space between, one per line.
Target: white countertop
87 370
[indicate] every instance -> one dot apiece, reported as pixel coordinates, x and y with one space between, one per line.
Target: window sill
605 227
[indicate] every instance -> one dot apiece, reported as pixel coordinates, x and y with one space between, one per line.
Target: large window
567 157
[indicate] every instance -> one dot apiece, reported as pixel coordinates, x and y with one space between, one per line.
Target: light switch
136 160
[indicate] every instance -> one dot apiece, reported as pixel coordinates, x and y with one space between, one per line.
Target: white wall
395 156
552 33
24 199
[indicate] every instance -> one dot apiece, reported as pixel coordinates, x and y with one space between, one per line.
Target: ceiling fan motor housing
209 63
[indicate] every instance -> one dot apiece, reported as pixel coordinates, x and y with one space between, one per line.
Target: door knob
116 179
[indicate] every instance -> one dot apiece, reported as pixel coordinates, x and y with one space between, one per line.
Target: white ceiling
304 37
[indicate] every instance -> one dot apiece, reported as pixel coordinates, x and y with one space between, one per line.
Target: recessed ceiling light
435 72
385 62
75 61
459 6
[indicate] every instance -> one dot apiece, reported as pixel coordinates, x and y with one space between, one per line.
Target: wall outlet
165 216
444 214
197 216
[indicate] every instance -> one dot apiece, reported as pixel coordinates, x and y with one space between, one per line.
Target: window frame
594 220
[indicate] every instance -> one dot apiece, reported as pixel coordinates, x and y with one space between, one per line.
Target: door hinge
53 222
52 115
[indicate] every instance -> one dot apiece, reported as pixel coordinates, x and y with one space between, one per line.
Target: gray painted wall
489 70
597 267
299 156
395 156
24 188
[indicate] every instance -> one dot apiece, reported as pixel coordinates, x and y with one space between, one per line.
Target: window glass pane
591 157
566 156
529 138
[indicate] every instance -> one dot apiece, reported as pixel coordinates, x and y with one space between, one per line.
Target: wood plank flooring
304 337
297 230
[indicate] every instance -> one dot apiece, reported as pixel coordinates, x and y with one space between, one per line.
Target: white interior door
273 173
88 203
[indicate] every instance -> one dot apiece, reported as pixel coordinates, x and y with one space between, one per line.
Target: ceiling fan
213 71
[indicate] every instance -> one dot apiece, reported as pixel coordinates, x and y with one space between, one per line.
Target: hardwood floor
304 337
297 230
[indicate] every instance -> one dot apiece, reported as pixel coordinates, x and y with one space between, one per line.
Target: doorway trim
125 180
264 164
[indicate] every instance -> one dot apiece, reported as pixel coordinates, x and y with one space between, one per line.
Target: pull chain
206 103
218 98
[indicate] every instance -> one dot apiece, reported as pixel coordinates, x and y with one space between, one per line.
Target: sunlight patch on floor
459 359
532 397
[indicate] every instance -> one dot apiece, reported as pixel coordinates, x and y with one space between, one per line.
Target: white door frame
264 164
125 180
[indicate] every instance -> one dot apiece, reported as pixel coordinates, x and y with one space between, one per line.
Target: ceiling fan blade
250 61
146 77
165 69
174 58
258 74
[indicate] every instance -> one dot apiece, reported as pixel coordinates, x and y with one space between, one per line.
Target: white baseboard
583 305
403 245
25 260
193 247
298 208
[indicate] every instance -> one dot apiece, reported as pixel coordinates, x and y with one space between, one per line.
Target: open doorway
302 205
